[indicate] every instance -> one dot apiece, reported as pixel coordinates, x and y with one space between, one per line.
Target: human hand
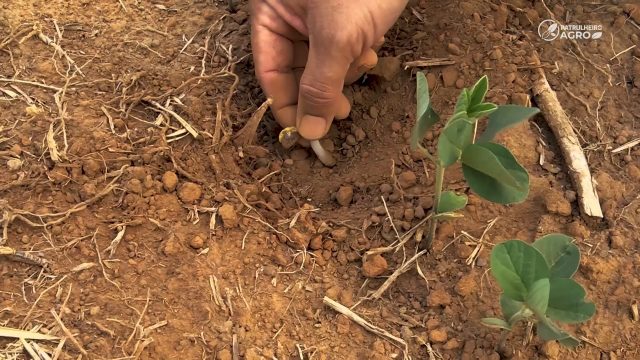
306 81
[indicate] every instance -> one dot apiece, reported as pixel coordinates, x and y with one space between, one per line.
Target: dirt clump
190 192
228 215
374 266
170 181
344 196
556 203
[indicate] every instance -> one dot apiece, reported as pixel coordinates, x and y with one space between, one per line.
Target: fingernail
312 127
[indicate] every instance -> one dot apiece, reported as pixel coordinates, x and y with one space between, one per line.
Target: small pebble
196 242
169 181
407 179
344 196
228 215
496 54
359 134
386 188
438 335
190 192
374 266
449 76
409 214
454 49
351 140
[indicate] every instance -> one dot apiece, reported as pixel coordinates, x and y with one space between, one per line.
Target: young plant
537 286
490 169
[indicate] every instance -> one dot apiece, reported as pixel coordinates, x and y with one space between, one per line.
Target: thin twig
368 326
68 333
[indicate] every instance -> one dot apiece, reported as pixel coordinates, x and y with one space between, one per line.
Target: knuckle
317 93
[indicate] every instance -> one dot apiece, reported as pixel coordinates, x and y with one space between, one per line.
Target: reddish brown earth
153 298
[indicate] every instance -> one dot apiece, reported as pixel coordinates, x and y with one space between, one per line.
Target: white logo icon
548 30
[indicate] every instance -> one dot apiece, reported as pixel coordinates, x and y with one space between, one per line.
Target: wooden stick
559 123
429 62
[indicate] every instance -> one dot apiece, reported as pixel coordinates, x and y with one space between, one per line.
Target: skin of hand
305 51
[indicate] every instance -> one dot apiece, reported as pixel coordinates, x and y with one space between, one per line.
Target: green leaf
517 266
479 91
481 110
494 173
426 117
563 257
496 323
512 310
454 138
567 303
462 104
504 117
538 296
450 202
548 331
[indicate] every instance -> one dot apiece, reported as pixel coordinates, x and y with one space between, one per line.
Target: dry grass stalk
215 292
179 118
399 271
58 49
29 349
33 306
368 326
32 83
104 271
68 333
626 146
116 241
9 213
246 135
6 332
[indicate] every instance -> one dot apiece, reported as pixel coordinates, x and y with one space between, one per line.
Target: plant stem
436 201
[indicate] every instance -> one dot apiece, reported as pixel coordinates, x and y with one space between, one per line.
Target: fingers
364 63
273 52
321 89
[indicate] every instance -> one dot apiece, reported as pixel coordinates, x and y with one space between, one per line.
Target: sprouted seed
289 137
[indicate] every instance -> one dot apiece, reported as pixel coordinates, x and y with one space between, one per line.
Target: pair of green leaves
490 169
536 282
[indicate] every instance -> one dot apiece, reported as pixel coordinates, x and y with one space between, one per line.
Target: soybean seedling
289 137
537 286
490 169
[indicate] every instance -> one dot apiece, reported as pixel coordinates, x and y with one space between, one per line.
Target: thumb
320 92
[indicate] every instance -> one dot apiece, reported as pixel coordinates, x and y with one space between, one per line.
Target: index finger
273 51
